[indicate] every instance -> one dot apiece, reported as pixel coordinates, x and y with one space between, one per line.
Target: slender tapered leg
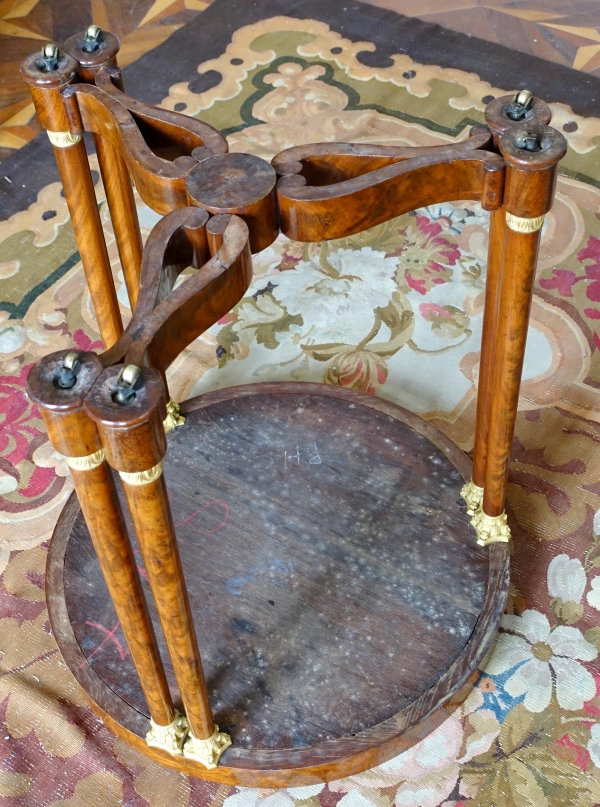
502 114
128 406
73 434
93 50
531 155
77 182
123 214
47 76
472 492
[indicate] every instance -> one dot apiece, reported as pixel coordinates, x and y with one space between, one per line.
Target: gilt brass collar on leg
473 496
491 529
171 737
208 751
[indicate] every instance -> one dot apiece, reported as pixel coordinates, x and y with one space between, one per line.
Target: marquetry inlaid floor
564 32
26 25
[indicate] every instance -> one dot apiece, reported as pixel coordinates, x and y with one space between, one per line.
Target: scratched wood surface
331 570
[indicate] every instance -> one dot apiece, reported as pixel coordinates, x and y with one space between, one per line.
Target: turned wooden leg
531 155
77 182
47 75
501 115
73 434
472 492
123 214
128 406
515 303
93 50
100 505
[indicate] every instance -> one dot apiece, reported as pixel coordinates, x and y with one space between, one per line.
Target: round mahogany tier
341 602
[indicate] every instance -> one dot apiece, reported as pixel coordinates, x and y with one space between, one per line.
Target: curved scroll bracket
333 190
170 135
168 316
160 147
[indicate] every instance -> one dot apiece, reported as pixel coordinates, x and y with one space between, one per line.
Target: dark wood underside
334 579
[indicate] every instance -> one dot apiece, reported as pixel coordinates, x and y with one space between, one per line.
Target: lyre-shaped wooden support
376 183
113 410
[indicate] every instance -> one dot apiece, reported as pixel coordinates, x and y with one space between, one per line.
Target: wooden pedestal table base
341 603
324 599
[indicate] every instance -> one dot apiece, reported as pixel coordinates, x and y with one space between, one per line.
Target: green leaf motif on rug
524 766
42 266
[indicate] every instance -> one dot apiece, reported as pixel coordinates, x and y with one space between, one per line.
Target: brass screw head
93 32
50 51
524 98
129 375
50 56
126 381
67 375
70 360
91 38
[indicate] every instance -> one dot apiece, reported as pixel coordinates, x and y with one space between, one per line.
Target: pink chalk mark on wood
109 637
139 562
200 509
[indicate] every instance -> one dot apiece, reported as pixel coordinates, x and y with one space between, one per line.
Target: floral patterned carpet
397 312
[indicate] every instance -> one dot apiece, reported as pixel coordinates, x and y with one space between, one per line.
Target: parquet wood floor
26 25
561 32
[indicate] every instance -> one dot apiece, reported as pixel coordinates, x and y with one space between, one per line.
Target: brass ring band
63 140
473 496
143 477
520 225
88 462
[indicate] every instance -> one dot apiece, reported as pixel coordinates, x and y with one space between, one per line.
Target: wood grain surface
332 190
528 193
338 594
240 184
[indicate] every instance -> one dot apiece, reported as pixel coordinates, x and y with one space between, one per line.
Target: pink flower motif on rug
83 342
447 321
563 280
592 270
426 256
23 484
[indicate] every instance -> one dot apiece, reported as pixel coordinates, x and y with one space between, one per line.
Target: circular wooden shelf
341 602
